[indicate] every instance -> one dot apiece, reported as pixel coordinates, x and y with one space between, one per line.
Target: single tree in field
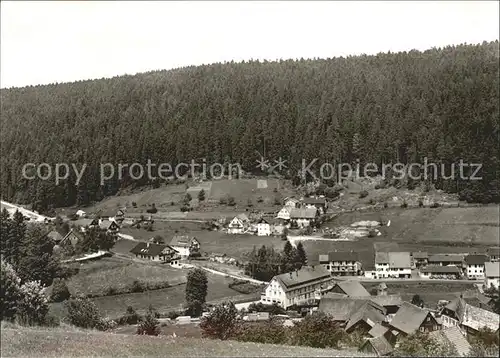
196 291
417 301
149 325
201 195
221 323
10 291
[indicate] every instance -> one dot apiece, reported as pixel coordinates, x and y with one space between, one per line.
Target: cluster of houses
398 264
382 319
296 213
180 248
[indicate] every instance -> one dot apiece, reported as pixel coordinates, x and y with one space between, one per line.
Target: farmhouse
392 264
292 202
474 266
55 236
446 259
317 202
109 226
494 253
440 272
297 287
304 217
155 252
284 213
411 319
492 276
185 245
341 263
390 302
72 237
263 228
470 318
85 224
379 346
419 259
81 214
239 224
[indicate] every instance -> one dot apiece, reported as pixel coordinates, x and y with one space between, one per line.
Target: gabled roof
446 258
381 257
262 221
151 249
440 269
378 330
453 336
70 234
409 318
84 222
182 241
106 224
476 259
477 318
353 288
243 217
340 308
314 201
303 213
55 235
369 312
335 256
399 259
306 274
491 269
380 345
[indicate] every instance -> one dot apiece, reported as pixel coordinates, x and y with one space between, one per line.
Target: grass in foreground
70 342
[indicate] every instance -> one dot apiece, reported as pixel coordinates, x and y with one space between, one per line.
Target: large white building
185 245
239 224
341 263
297 287
263 228
392 265
474 266
491 273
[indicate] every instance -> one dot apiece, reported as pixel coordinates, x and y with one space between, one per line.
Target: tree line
442 104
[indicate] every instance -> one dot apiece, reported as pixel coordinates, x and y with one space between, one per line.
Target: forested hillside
442 104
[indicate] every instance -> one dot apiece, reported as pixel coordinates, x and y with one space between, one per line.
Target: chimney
291 276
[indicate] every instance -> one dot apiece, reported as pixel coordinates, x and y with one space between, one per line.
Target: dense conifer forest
442 104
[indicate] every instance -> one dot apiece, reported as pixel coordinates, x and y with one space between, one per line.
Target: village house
392 265
304 217
468 317
440 272
319 203
454 337
297 287
474 266
350 288
292 202
109 226
419 259
85 224
81 214
379 346
411 319
55 236
341 263
72 237
263 227
391 303
284 213
155 252
491 275
353 314
446 259
185 245
239 225
494 253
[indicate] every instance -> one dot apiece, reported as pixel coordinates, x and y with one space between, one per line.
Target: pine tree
301 258
201 195
10 291
149 325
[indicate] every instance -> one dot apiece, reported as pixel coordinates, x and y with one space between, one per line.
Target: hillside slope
27 342
442 104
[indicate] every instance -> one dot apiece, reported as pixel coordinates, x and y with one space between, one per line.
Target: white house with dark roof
304 217
440 272
494 253
185 245
341 263
491 274
263 227
297 287
239 224
446 260
284 213
392 265
155 252
474 266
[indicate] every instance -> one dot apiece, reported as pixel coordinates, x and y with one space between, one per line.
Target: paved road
403 280
24 211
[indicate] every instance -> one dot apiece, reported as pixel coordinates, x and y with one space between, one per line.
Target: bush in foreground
221 323
149 325
83 313
60 291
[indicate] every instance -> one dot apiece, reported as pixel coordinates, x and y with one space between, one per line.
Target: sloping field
163 300
98 277
69 342
466 226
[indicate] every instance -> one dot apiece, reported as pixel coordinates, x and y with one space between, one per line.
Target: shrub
317 330
60 291
149 325
221 323
110 291
420 203
386 205
83 313
434 205
404 205
134 204
130 317
273 309
363 194
174 314
152 210
270 332
231 201
201 195
259 199
371 202
137 286
184 208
